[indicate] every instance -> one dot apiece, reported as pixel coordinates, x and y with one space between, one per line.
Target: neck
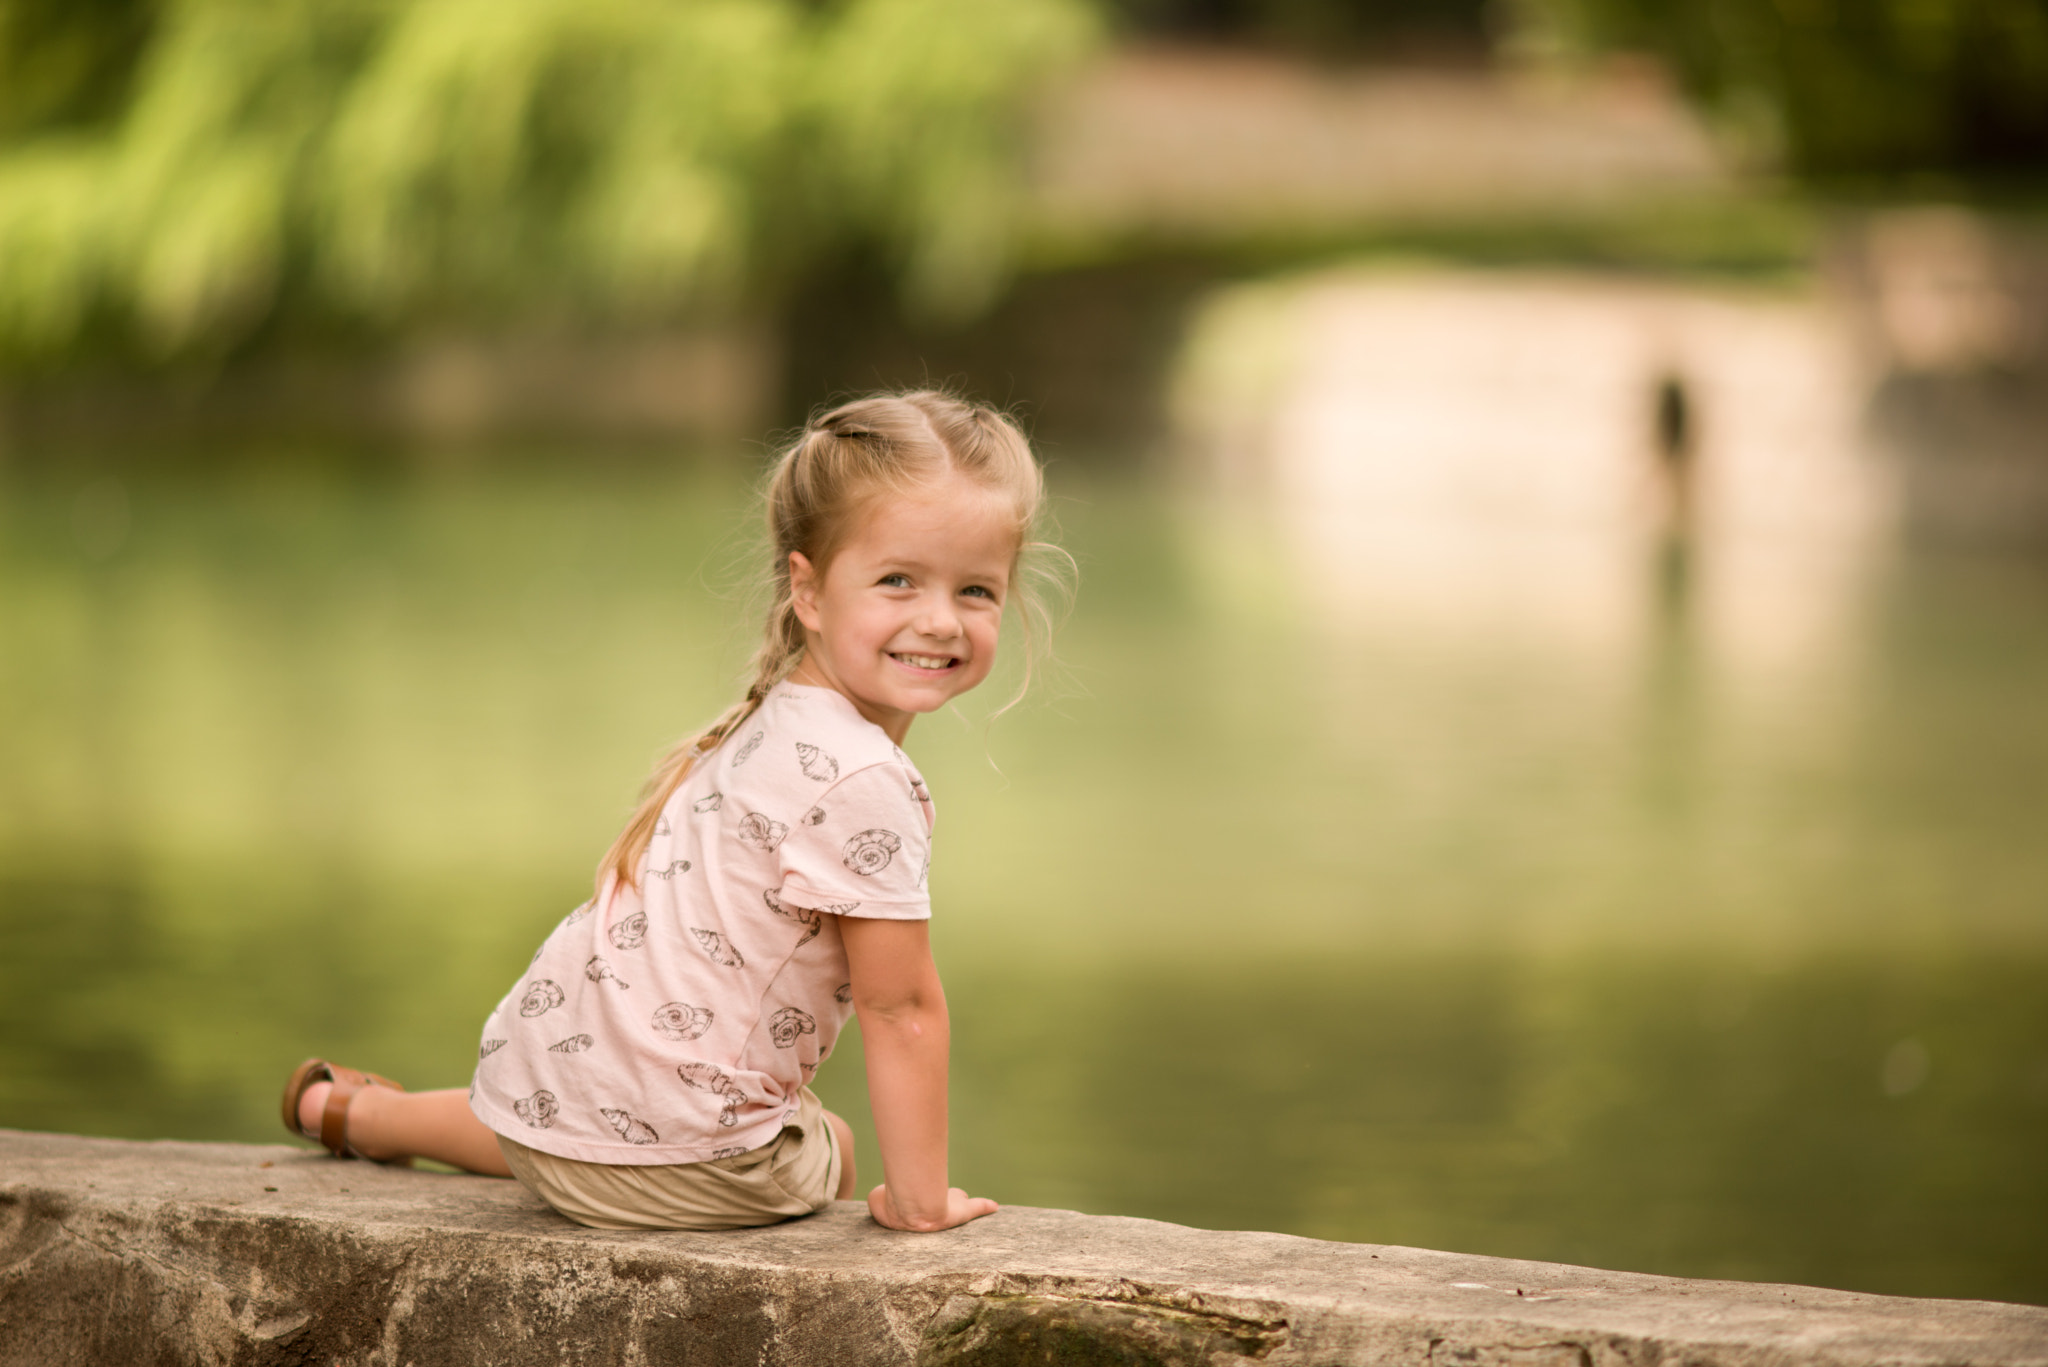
895 725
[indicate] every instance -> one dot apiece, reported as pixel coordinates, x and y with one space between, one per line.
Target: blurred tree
1880 92
182 174
1322 28
66 62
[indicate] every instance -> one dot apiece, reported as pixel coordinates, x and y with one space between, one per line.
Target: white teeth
926 661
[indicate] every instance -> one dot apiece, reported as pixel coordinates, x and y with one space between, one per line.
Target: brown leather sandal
334 1116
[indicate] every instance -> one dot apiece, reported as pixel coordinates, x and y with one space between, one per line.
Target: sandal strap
334 1115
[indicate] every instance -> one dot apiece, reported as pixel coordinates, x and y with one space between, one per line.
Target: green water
1263 916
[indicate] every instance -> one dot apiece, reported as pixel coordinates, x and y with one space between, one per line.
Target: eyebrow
897 566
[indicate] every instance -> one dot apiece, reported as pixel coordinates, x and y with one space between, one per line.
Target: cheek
866 635
986 634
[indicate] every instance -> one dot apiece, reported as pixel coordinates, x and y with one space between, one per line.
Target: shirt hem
798 894
623 1155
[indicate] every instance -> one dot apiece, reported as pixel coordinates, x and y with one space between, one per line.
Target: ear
803 590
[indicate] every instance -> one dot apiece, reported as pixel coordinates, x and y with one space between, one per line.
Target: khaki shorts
794 1174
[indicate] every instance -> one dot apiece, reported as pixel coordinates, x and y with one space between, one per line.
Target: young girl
650 1068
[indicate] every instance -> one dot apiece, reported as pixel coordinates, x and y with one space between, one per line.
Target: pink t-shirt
677 1023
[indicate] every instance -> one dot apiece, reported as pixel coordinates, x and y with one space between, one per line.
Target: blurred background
1550 756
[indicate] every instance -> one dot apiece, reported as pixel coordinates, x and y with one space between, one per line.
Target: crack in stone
1552 1353
1130 1327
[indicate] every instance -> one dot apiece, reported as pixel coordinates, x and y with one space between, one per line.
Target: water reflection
1280 915
1716 1118
1544 455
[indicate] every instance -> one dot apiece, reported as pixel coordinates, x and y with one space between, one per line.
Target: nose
938 618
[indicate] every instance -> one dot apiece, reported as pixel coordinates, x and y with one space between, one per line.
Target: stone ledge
116 1252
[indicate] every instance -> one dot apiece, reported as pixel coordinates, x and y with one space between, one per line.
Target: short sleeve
864 849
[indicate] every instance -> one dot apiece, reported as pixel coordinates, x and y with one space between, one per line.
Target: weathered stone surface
114 1252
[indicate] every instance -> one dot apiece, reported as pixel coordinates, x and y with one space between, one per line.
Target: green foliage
1878 92
382 163
67 61
1320 28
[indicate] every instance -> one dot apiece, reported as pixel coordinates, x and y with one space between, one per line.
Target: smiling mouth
925 661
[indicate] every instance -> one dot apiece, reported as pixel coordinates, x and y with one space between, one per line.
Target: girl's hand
960 1208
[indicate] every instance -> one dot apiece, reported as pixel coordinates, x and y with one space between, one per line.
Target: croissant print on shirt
708 804
717 949
631 1129
542 996
760 832
868 853
538 1110
746 752
682 1021
489 1047
598 971
630 933
789 1025
816 763
709 1077
575 1044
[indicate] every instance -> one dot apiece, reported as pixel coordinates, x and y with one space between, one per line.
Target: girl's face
905 616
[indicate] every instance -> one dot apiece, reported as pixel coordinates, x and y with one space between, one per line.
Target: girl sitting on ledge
650 1070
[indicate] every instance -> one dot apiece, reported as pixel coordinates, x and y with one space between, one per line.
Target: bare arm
906 1036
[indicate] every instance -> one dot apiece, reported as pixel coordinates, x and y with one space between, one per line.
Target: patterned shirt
678 1022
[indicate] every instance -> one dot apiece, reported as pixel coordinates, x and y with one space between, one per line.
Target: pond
1260 914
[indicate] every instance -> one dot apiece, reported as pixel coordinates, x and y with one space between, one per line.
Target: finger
962 1207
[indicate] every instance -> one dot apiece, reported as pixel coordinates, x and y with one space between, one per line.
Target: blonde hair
844 462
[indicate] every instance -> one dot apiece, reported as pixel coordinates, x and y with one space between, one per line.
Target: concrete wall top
115 1251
